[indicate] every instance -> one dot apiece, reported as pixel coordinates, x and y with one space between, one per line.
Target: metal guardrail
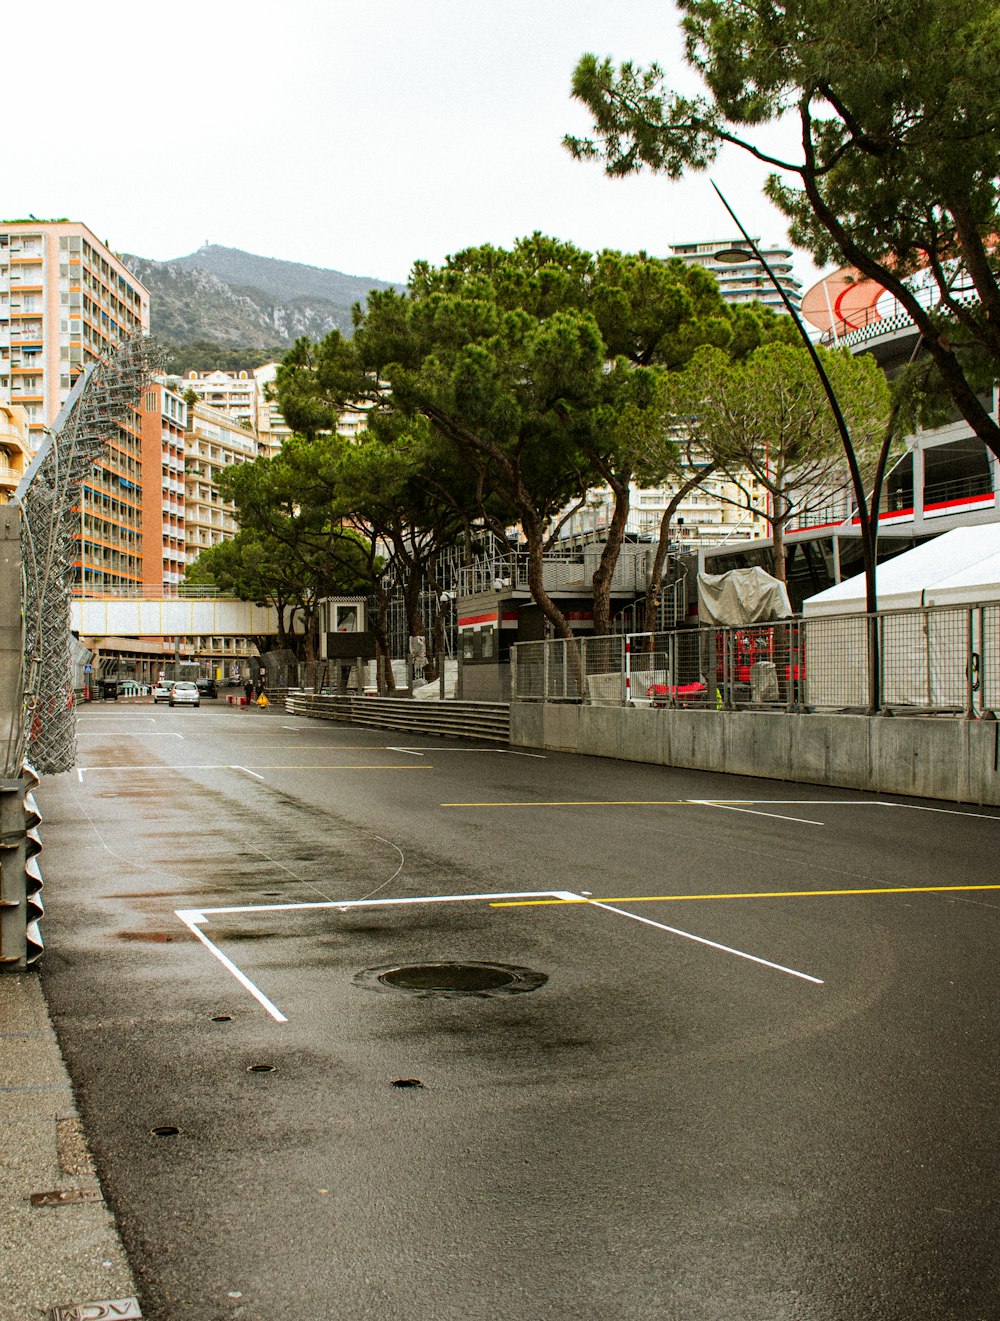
478 720
21 905
936 660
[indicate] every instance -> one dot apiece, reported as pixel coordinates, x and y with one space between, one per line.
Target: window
346 619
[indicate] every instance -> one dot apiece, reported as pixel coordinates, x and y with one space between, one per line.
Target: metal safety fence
933 660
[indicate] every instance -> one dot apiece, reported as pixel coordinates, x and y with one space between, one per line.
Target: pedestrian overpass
160 617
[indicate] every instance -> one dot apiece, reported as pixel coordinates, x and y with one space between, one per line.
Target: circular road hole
165 1131
482 980
262 1068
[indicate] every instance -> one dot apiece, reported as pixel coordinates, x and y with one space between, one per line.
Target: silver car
184 693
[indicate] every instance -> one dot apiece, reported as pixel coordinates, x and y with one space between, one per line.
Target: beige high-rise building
214 441
742 282
65 300
243 396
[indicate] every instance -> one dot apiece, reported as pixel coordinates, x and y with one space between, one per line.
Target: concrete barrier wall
926 757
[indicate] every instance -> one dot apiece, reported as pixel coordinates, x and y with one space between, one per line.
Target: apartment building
213 442
164 418
244 396
742 282
713 512
65 300
15 453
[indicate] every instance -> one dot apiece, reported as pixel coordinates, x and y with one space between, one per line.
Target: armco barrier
482 720
20 877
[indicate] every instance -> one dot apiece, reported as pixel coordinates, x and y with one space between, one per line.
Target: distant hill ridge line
238 298
276 276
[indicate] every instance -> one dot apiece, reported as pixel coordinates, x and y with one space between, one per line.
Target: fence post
729 668
628 669
970 667
983 691
790 653
546 644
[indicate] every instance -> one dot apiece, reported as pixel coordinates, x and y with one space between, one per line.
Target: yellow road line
759 894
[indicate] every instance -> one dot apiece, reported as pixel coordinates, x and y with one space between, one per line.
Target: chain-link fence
934 660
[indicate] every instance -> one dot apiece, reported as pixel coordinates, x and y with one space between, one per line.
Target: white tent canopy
958 568
929 658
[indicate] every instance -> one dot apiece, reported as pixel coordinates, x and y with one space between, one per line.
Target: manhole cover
452 979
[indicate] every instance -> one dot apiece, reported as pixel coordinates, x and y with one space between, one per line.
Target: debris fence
934 660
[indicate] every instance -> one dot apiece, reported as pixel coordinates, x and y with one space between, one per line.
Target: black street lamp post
867 511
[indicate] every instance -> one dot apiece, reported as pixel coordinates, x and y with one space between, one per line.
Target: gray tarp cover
742 596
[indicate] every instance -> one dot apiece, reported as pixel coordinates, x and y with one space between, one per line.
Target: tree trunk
380 628
778 521
604 573
654 581
548 607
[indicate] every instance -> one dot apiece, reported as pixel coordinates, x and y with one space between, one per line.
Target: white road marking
777 816
245 771
501 752
946 811
141 733
800 802
194 918
227 963
725 949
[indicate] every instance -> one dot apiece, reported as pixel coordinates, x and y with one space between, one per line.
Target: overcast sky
359 136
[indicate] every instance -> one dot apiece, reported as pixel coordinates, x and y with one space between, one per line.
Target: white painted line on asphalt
500 752
776 816
799 802
344 904
725 949
946 811
162 769
134 733
191 919
247 772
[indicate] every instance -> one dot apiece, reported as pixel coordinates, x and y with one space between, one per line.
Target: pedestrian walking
248 690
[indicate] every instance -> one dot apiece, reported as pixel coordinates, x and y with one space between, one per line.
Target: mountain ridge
235 298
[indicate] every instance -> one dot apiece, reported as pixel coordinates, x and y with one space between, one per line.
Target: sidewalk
61 1256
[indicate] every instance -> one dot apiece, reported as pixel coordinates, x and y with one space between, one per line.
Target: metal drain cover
452 979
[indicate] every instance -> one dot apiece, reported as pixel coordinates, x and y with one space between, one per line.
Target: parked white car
161 691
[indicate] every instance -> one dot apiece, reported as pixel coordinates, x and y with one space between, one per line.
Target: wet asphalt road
666 1128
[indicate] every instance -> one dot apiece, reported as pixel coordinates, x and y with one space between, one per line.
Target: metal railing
935 660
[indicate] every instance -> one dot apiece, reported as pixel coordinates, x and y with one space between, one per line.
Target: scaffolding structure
104 397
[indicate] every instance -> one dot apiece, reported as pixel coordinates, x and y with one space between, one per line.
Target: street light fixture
867 519
733 256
